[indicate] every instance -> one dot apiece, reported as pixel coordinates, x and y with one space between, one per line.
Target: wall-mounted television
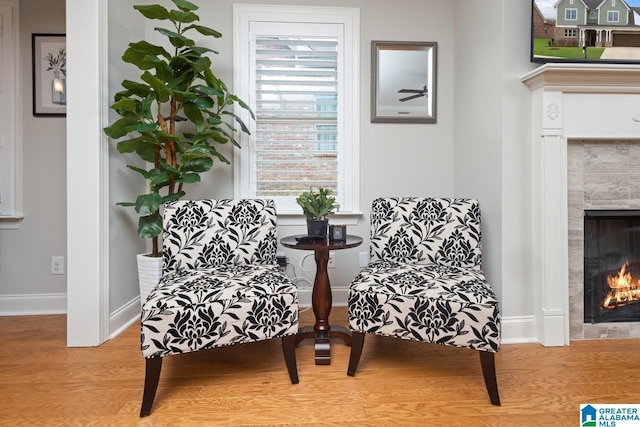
585 31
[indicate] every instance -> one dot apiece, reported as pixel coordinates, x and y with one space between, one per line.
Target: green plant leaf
171 197
147 204
119 128
185 5
182 96
205 31
244 105
199 50
139 59
189 178
201 65
162 94
154 11
149 49
136 88
206 90
183 17
238 120
159 179
194 114
202 164
143 127
150 226
141 171
176 39
145 106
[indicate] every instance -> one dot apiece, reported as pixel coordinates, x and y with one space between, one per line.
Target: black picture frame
49 74
552 39
403 81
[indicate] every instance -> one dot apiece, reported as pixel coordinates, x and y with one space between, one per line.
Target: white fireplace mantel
569 101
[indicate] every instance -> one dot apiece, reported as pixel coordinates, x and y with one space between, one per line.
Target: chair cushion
434 303
192 310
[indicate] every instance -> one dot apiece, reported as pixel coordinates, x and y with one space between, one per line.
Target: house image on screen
588 416
596 23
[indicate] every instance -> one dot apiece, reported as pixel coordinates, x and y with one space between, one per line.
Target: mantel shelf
588 78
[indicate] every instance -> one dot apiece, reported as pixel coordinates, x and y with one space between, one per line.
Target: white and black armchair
424 281
220 285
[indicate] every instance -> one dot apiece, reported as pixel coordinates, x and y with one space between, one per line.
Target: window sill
346 218
10 222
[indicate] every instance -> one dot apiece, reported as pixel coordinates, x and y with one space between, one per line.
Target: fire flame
622 289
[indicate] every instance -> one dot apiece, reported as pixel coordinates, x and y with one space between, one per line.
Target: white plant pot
149 273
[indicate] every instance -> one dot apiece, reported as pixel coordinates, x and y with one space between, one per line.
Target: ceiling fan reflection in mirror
418 93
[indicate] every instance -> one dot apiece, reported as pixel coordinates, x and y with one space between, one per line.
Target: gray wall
478 148
492 138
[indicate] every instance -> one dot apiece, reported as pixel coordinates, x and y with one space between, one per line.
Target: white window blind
296 67
296 114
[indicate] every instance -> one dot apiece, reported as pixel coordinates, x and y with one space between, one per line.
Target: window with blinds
297 67
296 107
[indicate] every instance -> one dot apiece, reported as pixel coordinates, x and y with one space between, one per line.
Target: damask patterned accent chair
424 281
220 285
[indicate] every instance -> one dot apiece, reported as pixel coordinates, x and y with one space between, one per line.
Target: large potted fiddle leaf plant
173 117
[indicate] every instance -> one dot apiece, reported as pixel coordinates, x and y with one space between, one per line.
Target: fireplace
574 105
611 266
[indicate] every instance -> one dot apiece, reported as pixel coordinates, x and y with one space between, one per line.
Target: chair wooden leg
289 350
151 378
357 342
487 360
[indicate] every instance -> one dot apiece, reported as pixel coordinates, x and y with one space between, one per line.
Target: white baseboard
124 317
33 304
518 329
44 304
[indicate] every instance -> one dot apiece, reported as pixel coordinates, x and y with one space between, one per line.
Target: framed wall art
403 82
49 61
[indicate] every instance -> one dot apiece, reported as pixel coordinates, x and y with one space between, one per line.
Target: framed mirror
403 82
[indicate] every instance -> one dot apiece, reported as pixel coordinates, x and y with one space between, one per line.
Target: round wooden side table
321 299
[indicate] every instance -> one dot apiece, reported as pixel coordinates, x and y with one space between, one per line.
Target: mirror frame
379 71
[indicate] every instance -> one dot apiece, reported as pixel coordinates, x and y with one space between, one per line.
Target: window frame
613 14
574 13
10 135
348 182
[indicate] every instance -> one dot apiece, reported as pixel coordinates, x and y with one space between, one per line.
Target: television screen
594 31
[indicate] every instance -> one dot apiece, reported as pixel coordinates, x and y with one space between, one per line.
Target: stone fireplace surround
601 175
578 110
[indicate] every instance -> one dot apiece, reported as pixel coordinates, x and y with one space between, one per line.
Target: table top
321 244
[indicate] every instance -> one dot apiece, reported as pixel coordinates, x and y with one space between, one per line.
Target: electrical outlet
332 259
57 265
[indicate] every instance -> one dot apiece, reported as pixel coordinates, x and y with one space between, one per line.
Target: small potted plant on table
316 207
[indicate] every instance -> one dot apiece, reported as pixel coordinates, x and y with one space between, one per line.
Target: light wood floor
398 383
